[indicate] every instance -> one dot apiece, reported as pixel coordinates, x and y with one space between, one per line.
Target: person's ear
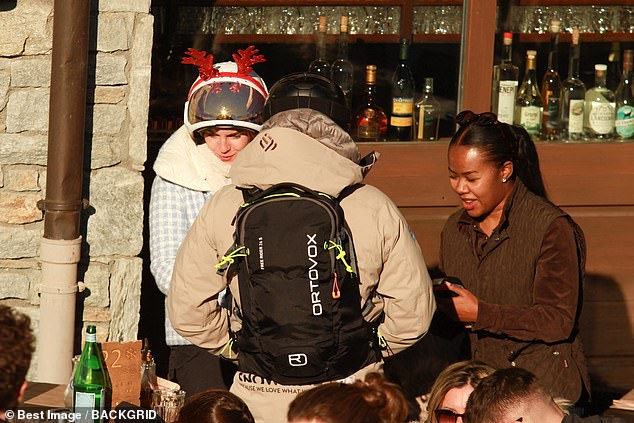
506 171
22 390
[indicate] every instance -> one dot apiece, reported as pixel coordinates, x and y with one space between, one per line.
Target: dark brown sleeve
551 317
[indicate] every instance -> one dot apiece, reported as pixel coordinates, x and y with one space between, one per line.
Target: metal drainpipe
61 244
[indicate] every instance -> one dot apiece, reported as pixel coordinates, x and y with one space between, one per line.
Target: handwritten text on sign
123 360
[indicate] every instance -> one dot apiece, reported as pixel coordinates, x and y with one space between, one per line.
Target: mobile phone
440 288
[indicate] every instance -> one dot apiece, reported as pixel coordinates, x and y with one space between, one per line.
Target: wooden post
477 55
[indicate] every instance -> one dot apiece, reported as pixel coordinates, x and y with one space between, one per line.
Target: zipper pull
335 287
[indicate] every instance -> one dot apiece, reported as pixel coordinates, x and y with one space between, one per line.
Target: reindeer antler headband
244 60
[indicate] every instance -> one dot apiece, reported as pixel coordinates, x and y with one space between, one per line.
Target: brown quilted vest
504 275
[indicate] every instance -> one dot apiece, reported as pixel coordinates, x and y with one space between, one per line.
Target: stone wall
115 153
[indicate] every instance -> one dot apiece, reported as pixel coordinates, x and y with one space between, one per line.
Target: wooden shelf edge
329 3
574 2
312 3
585 37
353 38
437 38
437 2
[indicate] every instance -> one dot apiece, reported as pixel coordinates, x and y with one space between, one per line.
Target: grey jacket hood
293 146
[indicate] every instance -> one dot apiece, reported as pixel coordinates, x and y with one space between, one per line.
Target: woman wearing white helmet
222 115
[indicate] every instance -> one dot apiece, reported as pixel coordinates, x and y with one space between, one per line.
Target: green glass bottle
93 388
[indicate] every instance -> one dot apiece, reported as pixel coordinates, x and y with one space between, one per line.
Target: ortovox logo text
297 360
313 274
267 143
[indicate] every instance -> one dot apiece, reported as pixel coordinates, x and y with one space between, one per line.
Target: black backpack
299 289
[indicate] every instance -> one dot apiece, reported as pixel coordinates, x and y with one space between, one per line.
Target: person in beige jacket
307 147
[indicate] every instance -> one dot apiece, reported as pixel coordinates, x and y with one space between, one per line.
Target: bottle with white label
91 382
528 105
600 107
505 81
573 95
624 123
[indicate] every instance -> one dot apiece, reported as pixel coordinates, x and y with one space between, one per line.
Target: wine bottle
427 113
91 383
148 379
370 121
599 110
613 76
573 94
505 80
320 65
551 87
401 118
624 122
528 106
341 72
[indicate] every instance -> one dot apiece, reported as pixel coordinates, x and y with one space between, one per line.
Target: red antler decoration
204 61
245 58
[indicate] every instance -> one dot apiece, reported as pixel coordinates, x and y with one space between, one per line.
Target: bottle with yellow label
402 118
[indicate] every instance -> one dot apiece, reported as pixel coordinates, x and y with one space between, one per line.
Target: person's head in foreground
449 394
16 350
224 105
215 406
373 400
512 395
485 159
315 106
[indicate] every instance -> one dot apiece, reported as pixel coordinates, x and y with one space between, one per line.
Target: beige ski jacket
304 147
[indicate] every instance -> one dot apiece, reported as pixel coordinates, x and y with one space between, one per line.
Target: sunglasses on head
447 416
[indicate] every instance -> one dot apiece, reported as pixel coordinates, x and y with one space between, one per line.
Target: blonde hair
455 376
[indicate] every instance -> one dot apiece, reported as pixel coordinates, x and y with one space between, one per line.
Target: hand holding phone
440 287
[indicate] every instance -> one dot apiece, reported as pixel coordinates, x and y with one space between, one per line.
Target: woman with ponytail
521 258
374 400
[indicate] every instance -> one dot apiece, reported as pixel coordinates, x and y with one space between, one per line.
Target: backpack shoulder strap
348 190
249 193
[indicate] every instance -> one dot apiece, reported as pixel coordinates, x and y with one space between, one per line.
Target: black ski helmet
304 90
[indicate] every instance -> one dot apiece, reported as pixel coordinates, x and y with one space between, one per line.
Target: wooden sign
123 360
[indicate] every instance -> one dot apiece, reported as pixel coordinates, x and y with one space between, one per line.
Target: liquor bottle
320 65
91 383
551 87
598 113
624 122
528 105
573 94
370 122
148 379
505 80
401 118
341 72
614 66
427 113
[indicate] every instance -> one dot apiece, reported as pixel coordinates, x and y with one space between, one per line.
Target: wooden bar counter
593 182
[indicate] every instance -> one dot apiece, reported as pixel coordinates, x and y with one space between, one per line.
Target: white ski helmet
227 94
